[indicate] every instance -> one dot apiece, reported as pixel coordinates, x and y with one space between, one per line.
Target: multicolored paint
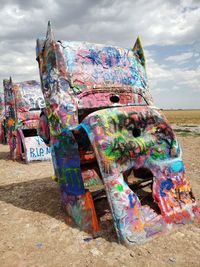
102 123
23 104
2 117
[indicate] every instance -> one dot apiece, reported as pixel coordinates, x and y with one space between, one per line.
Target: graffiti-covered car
23 104
2 117
103 125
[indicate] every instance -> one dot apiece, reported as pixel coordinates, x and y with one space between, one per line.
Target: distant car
2 118
104 126
23 104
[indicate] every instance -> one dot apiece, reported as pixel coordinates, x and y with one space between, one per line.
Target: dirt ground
33 231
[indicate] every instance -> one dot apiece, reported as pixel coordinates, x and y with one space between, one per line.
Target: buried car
104 126
23 104
2 118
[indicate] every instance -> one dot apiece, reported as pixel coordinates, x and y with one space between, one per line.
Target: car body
2 118
23 104
104 125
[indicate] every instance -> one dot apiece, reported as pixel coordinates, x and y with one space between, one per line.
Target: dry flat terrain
33 232
182 117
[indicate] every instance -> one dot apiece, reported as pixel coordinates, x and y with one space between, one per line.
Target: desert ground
33 232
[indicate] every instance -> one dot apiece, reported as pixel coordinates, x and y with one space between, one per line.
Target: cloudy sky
169 30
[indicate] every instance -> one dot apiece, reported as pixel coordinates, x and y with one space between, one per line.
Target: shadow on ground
42 195
5 155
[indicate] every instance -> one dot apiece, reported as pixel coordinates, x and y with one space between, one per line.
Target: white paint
36 149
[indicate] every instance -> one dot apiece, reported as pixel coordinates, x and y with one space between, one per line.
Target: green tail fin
138 49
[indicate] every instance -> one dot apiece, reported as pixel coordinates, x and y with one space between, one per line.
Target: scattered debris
39 245
95 252
172 259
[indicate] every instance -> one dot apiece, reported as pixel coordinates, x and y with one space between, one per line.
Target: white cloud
181 58
173 87
160 73
117 22
157 72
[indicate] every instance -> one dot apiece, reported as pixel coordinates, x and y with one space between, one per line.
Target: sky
169 30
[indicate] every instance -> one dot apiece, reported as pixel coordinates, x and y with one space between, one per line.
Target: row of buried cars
95 116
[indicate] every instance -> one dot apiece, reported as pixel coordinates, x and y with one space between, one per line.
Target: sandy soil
33 231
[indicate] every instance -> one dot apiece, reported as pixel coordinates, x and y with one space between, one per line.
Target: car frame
23 104
103 125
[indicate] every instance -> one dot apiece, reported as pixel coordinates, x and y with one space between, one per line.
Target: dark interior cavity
29 132
140 181
114 98
136 132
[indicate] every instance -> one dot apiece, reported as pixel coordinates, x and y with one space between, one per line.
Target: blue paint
107 63
39 152
64 84
38 139
94 57
70 177
32 154
112 56
48 150
70 55
177 166
165 185
130 197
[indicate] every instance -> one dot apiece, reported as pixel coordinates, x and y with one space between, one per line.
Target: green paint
120 188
